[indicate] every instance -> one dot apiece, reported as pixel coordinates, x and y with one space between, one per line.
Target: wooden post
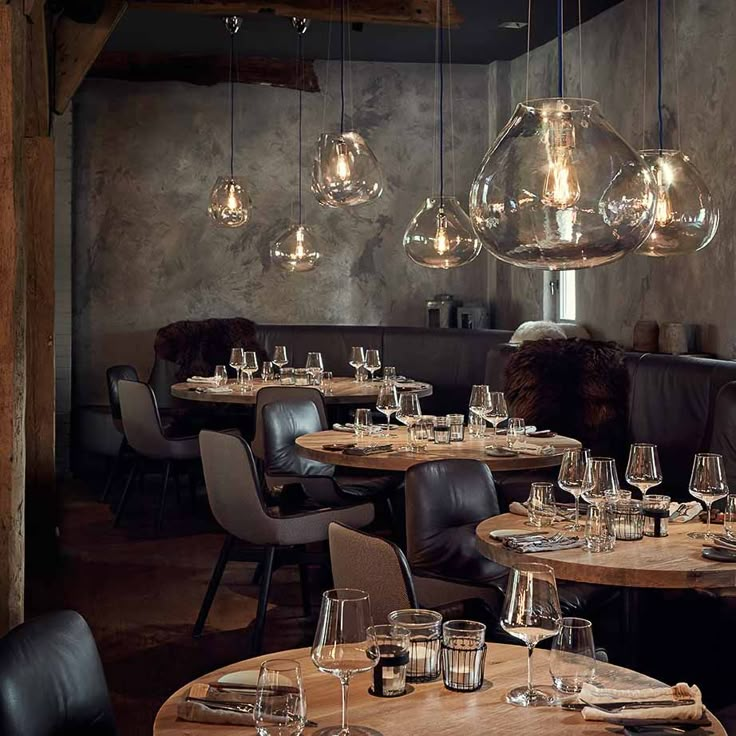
12 313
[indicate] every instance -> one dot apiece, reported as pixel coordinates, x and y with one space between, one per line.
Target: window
567 307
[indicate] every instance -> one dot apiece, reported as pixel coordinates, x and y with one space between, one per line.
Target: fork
635 705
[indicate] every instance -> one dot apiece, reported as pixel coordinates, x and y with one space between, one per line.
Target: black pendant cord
232 107
560 50
660 116
342 66
442 107
300 82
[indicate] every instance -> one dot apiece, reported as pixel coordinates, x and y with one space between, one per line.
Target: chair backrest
52 681
141 420
233 488
270 394
283 422
445 501
116 373
724 431
369 563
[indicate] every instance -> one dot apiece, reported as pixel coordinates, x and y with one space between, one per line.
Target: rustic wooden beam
395 12
204 70
38 114
12 314
77 47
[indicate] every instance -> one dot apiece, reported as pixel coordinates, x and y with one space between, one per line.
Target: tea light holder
457 427
463 655
425 642
628 520
656 510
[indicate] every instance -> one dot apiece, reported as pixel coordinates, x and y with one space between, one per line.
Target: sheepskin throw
528 331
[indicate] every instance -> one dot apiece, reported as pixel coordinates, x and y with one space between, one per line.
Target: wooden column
12 313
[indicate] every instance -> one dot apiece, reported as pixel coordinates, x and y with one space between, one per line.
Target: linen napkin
193 709
530 448
685 511
201 379
681 691
515 507
219 390
554 543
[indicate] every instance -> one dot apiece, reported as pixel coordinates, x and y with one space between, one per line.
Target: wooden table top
430 708
310 445
667 562
344 391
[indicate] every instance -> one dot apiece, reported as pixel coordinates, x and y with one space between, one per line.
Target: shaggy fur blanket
198 346
578 388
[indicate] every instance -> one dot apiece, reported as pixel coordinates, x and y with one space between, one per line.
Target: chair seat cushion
364 484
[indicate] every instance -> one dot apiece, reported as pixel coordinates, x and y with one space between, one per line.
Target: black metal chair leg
124 496
257 574
162 504
257 641
306 590
209 596
113 472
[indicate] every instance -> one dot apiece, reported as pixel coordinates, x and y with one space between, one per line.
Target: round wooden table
311 446
673 562
344 391
429 708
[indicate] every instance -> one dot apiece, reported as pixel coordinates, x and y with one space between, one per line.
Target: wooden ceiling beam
203 70
396 12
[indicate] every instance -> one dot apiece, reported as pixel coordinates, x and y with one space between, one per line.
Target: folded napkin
530 448
205 704
681 691
518 508
344 428
202 379
219 390
681 513
553 543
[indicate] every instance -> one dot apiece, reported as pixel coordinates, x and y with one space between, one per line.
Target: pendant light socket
232 23
300 25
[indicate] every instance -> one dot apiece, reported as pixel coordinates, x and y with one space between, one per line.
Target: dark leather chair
723 440
51 680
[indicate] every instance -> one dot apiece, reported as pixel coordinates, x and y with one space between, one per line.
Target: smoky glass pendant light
230 204
440 235
560 189
686 217
296 249
345 171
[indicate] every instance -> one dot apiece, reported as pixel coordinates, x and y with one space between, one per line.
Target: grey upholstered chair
145 434
238 504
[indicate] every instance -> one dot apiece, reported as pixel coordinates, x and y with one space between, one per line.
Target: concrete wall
145 253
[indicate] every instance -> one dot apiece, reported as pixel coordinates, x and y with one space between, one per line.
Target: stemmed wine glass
409 409
600 482
479 400
707 484
237 359
343 645
250 366
531 612
387 403
372 361
497 411
314 366
571 477
357 361
643 470
280 357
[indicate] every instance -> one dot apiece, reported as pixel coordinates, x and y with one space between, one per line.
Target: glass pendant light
296 248
230 203
345 171
440 235
686 218
560 189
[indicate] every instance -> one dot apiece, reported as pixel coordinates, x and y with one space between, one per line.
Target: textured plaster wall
696 289
145 253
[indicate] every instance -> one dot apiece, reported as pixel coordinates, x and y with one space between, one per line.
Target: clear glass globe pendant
295 250
345 172
230 203
686 218
441 235
560 189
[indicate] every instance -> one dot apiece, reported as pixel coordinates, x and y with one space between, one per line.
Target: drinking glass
357 361
221 375
457 427
425 640
387 403
656 509
280 708
707 484
409 409
372 362
729 518
250 366
541 505
480 399
600 482
237 359
267 371
497 410
572 661
280 357
476 426
342 645
420 433
392 656
327 384
599 530
516 430
570 479
389 373
643 470
314 366
463 654
531 612
363 422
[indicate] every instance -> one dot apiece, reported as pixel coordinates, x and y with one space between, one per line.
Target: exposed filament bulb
299 250
342 163
232 200
441 241
663 212
561 185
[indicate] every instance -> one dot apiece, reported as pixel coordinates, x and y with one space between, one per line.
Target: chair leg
192 476
124 496
214 584
257 641
257 574
162 503
113 472
306 590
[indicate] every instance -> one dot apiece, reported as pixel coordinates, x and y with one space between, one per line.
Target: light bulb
295 250
342 164
561 185
441 243
663 213
299 250
229 202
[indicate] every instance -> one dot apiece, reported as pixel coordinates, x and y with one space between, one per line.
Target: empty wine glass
357 361
237 358
387 403
314 367
221 375
572 660
571 476
250 366
280 708
343 645
708 484
409 409
497 411
280 357
600 482
480 397
643 470
531 612
372 361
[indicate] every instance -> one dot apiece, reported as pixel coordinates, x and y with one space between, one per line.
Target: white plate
500 534
243 677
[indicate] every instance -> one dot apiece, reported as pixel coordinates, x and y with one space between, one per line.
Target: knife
636 704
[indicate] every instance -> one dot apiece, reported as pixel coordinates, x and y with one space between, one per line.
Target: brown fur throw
198 346
578 388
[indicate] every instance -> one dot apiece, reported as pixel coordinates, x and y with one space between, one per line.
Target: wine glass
250 366
237 358
357 361
280 357
343 645
531 612
572 660
707 484
496 411
409 409
643 470
314 366
387 403
570 479
280 708
221 375
479 400
600 481
372 361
